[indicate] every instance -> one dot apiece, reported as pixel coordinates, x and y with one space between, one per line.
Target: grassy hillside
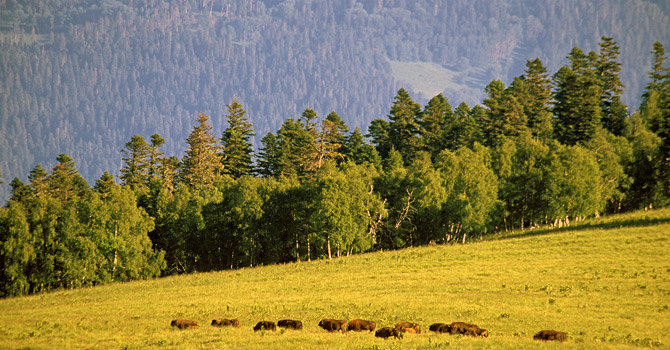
606 282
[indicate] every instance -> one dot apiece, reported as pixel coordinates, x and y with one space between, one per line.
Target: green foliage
235 145
137 164
201 165
403 128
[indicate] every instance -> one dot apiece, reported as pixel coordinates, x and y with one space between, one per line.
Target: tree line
542 151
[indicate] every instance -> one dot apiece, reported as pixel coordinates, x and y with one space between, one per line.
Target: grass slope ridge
606 282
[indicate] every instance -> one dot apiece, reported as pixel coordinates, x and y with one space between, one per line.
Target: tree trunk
116 231
309 253
464 238
329 256
297 248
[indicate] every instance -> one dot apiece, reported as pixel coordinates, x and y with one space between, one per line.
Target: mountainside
603 281
81 77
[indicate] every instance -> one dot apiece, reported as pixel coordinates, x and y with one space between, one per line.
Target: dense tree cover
82 76
534 154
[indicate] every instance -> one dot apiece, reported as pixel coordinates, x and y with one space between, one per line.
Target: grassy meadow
606 282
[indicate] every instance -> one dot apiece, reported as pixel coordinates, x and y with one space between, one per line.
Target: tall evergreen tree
613 111
202 163
437 119
650 106
236 148
155 156
576 99
504 115
267 156
135 171
533 92
403 130
64 182
378 132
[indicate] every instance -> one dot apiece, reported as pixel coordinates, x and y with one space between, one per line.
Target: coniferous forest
547 149
82 77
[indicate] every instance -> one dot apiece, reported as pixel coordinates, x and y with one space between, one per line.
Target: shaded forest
81 77
546 150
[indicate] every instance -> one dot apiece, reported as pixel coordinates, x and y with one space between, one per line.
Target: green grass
606 282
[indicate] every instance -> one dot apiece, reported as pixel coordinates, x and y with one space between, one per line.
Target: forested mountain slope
82 77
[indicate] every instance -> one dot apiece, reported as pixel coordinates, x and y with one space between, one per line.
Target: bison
359 325
467 329
387 332
408 327
184 324
333 325
292 324
440 328
550 334
266 325
224 322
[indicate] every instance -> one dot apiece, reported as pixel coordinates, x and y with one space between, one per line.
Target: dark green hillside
82 77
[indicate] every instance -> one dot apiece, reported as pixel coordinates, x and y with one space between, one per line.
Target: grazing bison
467 329
292 324
387 332
184 324
333 325
267 325
408 327
359 325
440 328
550 334
224 322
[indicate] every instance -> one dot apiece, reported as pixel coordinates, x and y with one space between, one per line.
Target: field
606 282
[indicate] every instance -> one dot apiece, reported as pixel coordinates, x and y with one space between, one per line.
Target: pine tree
267 156
236 148
329 142
378 132
533 92
155 156
201 165
64 182
504 115
403 130
38 180
650 106
104 185
437 119
577 99
613 111
135 171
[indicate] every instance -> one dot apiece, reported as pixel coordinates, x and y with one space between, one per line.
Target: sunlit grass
606 282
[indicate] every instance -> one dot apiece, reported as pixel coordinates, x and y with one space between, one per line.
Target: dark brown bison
224 322
387 332
359 325
266 325
440 328
467 329
333 325
184 324
408 327
292 324
550 334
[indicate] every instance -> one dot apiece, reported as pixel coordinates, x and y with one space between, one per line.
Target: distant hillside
603 281
81 77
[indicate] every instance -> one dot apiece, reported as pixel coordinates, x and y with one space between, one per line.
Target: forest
546 150
82 76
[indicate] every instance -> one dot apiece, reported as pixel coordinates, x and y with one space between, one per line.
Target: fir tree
135 171
403 130
613 111
533 92
202 163
236 148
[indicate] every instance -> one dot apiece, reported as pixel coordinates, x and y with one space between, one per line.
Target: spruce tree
202 163
267 156
236 148
436 120
135 171
504 115
64 182
533 92
155 156
613 111
403 130
577 99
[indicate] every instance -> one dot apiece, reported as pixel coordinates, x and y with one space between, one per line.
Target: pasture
606 282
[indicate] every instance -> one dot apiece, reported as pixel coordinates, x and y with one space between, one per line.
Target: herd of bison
359 325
